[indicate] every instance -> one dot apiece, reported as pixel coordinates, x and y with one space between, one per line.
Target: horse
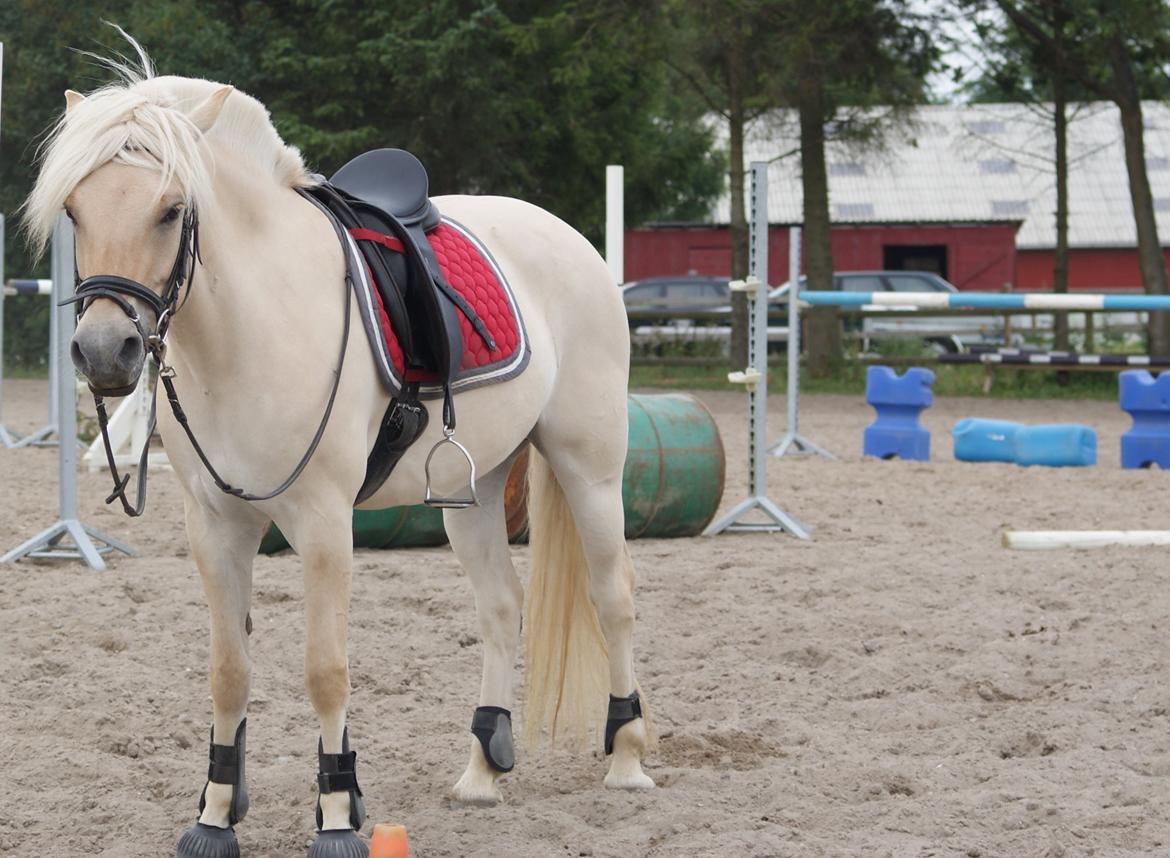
251 347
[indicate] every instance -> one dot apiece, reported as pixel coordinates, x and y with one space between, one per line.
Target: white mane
142 121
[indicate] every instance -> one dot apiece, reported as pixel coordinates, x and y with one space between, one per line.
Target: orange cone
389 841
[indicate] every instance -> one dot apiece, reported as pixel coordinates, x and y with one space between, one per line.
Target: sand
898 686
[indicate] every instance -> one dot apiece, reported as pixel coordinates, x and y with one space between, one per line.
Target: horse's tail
566 660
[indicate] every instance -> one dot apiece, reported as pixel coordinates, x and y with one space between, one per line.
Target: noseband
120 290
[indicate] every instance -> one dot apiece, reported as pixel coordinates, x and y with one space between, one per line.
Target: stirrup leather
226 766
338 773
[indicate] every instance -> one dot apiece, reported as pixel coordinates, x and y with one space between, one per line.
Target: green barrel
673 480
671 486
397 527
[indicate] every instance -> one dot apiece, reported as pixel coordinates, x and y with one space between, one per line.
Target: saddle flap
392 180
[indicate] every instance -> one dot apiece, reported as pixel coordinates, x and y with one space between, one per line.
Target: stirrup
455 502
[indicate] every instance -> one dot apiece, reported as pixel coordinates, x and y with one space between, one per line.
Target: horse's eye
172 214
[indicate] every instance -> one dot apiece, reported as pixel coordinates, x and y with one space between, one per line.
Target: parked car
709 298
946 333
675 296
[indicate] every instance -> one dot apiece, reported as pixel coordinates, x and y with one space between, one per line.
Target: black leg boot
337 773
226 767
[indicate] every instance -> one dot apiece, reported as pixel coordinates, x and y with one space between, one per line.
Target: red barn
979 256
966 191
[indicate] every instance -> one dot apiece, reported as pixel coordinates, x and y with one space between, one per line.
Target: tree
1115 49
749 56
1020 70
870 56
725 51
525 98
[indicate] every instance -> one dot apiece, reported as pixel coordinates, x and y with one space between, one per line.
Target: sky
961 53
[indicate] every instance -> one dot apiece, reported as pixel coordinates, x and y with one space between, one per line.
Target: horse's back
553 269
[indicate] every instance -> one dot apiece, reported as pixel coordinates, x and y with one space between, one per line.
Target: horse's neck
271 275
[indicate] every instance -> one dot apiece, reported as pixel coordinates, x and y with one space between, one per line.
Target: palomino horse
253 347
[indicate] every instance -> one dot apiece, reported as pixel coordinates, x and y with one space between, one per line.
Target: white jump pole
68 539
1040 540
793 441
615 222
755 377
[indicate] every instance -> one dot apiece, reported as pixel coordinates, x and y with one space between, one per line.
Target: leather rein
165 306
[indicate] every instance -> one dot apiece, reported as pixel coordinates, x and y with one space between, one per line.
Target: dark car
674 297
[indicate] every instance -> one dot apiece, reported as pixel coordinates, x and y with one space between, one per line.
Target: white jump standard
69 538
793 442
755 377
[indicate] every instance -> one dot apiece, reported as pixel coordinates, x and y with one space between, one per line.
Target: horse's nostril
128 354
79 359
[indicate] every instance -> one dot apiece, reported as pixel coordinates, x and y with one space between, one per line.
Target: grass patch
1008 383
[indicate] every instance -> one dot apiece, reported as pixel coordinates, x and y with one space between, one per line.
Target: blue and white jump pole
990 301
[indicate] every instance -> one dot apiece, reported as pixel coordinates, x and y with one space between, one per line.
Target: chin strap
226 766
338 773
622 710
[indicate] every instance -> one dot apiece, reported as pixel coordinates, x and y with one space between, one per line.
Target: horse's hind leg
479 538
224 546
587 455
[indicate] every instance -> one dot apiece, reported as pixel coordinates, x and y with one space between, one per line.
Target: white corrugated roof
986 162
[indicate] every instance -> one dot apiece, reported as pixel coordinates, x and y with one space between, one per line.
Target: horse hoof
475 792
629 781
343 843
207 841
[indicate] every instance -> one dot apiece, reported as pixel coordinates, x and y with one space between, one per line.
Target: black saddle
384 192
392 180
381 198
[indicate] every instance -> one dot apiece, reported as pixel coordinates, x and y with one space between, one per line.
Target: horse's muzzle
110 358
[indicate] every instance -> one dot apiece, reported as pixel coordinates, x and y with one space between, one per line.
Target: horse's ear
207 112
72 99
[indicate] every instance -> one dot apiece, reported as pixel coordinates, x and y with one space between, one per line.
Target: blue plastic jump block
898 400
1147 401
979 440
1056 445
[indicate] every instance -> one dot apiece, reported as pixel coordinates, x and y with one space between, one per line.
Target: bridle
165 306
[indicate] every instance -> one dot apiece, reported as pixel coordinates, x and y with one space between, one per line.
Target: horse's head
125 229
127 166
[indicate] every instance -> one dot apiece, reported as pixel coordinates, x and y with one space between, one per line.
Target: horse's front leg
326 549
224 544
